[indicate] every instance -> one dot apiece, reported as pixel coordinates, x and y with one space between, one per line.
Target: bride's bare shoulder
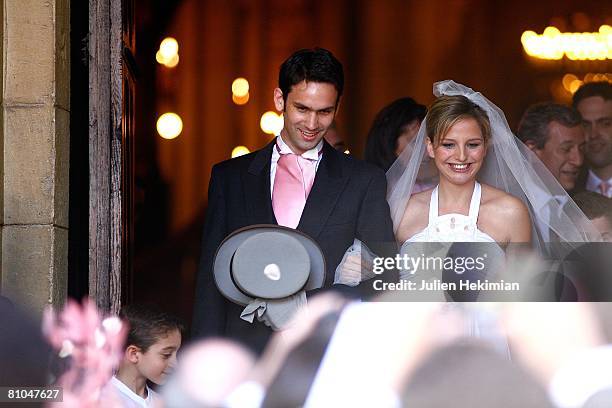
419 201
416 215
503 204
504 217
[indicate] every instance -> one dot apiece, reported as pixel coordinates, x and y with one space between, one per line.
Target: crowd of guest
336 353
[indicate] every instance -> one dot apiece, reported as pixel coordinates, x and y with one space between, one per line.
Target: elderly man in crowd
555 134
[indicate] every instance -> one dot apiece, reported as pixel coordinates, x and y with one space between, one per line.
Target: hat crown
270 265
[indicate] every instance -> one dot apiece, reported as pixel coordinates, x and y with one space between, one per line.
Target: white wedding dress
480 318
452 227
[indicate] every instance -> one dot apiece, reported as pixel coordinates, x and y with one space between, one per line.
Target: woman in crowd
393 128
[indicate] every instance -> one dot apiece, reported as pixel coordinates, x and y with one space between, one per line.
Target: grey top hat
267 268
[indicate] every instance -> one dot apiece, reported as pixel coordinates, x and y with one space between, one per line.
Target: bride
492 188
459 208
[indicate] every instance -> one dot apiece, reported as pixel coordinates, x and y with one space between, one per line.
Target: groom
298 180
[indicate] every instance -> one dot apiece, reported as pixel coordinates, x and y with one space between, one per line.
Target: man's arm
375 228
209 305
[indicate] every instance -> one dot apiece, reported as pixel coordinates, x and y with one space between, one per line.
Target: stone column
35 138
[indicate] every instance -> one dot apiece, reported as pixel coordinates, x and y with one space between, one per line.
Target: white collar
127 391
593 182
542 198
312 154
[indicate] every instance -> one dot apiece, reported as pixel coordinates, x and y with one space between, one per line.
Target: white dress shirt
542 207
129 399
593 183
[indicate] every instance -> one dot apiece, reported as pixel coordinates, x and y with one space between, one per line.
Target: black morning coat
347 201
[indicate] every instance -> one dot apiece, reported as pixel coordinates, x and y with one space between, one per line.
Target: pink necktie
603 188
292 183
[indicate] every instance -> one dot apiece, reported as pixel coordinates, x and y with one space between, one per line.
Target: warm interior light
575 85
173 62
169 125
570 83
239 151
551 32
168 48
168 53
567 80
240 100
271 123
240 87
347 152
552 44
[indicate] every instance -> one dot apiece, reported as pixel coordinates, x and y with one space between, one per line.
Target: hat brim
223 260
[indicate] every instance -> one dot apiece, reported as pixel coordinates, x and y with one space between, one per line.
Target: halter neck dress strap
475 203
433 205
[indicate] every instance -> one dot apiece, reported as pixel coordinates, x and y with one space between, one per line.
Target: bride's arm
519 223
416 216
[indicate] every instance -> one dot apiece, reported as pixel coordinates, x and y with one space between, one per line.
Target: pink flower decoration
94 346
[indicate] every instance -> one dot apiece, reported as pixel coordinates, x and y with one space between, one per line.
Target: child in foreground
150 355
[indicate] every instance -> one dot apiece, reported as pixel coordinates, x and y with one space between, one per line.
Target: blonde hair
448 110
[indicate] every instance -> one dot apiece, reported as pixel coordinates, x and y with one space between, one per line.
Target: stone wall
35 139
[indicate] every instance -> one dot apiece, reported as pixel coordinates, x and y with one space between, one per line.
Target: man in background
554 133
594 102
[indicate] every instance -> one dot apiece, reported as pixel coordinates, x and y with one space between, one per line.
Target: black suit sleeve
375 228
210 306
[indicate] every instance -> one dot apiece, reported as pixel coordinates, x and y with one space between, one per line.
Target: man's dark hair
148 324
594 205
388 125
534 124
311 65
603 89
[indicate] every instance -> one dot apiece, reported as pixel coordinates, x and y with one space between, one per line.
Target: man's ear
532 146
132 353
279 102
430 148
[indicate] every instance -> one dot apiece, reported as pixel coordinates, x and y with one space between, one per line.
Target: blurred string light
347 152
169 125
271 123
167 54
240 87
571 82
240 151
552 44
240 100
240 91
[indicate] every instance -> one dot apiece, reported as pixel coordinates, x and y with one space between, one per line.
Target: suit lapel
256 184
328 184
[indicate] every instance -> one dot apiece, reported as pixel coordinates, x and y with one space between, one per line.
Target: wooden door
112 85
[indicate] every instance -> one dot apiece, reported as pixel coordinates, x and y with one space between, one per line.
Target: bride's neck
453 196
